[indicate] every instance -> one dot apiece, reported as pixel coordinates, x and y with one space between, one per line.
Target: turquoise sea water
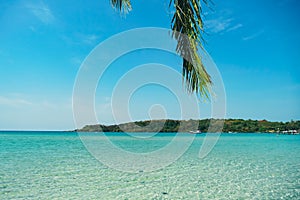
56 165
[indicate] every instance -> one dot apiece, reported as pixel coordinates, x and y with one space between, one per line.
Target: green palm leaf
123 6
187 26
188 22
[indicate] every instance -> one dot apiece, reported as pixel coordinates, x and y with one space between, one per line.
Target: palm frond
124 6
187 26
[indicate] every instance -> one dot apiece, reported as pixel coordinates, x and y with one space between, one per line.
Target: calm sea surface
56 165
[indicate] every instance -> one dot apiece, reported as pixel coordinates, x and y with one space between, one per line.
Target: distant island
169 125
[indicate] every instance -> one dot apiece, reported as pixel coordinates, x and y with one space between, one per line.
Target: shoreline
98 132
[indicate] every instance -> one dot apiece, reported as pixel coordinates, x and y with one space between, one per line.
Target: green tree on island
187 20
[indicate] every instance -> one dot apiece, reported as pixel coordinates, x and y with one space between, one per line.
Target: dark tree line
230 125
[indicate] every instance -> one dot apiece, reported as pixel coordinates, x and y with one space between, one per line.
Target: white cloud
218 25
42 12
233 28
89 39
19 100
250 37
13 101
81 39
19 113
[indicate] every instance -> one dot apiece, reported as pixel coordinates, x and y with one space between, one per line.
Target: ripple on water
239 167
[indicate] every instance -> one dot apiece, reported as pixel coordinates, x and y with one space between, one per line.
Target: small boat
196 132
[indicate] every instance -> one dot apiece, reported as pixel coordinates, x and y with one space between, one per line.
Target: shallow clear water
47 165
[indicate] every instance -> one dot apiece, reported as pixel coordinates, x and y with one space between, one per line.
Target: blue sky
255 45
